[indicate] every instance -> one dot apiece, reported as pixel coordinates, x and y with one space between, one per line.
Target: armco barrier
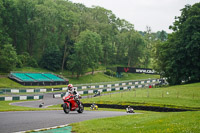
105 90
129 83
30 90
119 84
11 98
147 108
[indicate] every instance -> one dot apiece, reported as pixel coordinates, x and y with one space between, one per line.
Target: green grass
181 96
7 83
31 69
148 122
101 77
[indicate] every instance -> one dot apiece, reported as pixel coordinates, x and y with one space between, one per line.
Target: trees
4 37
51 58
135 45
180 56
149 37
88 51
130 48
105 25
8 58
50 32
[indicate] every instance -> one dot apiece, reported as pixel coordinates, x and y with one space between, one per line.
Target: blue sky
158 14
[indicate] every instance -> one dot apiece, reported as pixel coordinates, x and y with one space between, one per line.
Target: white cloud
158 14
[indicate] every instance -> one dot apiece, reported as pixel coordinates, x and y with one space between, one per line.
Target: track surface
30 120
48 100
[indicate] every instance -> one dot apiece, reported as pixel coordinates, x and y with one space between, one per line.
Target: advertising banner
135 70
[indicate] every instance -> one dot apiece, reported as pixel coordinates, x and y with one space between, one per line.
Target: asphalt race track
29 120
48 100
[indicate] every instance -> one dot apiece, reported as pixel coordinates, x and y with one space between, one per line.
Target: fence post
162 94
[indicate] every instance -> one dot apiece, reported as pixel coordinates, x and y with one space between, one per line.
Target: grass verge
181 96
148 122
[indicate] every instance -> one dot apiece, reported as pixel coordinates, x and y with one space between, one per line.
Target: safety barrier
146 108
92 91
129 83
29 90
12 98
119 84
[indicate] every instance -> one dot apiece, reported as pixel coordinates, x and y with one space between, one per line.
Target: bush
26 60
110 73
52 58
8 58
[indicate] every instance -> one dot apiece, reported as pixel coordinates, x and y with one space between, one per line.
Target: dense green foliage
87 52
179 57
8 58
51 58
50 33
61 35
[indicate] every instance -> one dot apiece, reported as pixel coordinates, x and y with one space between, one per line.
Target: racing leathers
75 93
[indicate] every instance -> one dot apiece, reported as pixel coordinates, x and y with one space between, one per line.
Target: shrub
110 73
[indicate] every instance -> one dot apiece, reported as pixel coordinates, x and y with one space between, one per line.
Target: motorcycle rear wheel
66 108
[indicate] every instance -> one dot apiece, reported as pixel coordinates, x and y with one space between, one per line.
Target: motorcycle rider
129 110
72 90
93 106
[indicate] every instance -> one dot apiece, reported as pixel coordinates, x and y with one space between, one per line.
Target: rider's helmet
70 86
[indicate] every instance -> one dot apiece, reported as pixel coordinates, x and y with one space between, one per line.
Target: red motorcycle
71 105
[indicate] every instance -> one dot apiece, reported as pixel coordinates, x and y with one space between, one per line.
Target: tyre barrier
12 98
146 108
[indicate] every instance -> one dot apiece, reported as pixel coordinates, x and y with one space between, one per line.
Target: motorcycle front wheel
66 108
81 108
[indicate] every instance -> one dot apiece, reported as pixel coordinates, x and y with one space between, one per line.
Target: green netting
66 129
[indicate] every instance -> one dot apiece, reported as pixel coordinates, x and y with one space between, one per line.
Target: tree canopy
8 58
51 34
179 57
